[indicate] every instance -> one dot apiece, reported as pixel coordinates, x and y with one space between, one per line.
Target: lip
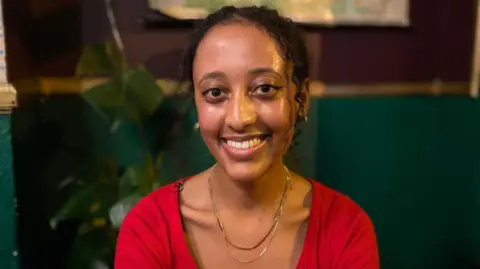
241 154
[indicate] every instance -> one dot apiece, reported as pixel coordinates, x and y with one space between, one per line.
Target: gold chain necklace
271 231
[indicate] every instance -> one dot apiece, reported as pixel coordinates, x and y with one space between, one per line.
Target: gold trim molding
434 88
52 85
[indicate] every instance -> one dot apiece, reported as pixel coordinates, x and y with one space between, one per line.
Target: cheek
210 119
277 115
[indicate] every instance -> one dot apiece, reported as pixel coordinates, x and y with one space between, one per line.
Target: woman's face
245 99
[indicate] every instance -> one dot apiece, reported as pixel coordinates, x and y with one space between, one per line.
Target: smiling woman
249 72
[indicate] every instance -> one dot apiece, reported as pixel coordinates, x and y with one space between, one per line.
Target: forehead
236 48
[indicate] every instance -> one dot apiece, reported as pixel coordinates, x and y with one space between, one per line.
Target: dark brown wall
438 45
42 38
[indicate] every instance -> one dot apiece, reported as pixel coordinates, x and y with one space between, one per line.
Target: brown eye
265 90
215 92
214 95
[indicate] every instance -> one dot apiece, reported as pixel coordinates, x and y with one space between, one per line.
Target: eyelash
207 94
260 95
273 87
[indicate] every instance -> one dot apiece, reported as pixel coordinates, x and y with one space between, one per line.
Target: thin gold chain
276 217
271 231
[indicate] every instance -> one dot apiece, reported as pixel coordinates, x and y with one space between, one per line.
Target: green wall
414 165
8 254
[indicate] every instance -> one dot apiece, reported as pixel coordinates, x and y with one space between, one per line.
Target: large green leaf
90 203
100 60
143 93
130 95
121 208
109 101
135 183
83 175
136 179
109 94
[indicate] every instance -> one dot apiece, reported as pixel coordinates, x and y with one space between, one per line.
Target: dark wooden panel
18 61
40 8
438 45
41 40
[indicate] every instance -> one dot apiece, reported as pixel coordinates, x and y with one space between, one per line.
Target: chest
283 250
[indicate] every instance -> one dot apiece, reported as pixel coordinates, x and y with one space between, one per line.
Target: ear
303 100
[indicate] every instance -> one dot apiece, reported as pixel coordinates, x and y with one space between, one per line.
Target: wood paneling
436 49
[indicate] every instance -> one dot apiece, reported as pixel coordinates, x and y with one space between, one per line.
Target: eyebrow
255 71
258 71
214 74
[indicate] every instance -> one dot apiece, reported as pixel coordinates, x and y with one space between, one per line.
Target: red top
339 234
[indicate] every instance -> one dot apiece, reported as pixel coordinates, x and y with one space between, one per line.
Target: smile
244 144
243 147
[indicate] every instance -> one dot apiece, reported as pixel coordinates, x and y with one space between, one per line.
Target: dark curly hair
282 30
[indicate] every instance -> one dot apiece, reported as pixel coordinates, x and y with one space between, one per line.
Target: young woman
248 67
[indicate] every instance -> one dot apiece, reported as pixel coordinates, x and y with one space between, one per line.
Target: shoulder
347 229
335 206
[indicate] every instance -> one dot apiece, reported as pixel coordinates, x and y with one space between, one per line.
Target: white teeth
244 144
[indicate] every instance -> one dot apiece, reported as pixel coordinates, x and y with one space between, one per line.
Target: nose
240 112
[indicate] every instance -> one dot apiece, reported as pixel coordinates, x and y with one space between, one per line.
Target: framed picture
316 12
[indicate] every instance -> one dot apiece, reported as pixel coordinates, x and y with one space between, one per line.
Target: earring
196 126
306 119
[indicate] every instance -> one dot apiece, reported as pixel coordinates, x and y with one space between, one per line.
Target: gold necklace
271 231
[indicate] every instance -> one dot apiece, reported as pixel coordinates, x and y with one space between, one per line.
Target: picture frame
316 12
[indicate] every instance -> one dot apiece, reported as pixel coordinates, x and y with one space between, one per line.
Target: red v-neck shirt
340 235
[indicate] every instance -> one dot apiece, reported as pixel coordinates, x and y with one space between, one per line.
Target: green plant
104 189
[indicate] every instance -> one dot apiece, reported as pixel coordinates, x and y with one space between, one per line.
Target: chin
245 171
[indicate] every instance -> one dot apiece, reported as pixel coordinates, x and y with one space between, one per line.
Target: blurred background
100 120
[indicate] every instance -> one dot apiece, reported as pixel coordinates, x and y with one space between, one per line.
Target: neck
252 195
